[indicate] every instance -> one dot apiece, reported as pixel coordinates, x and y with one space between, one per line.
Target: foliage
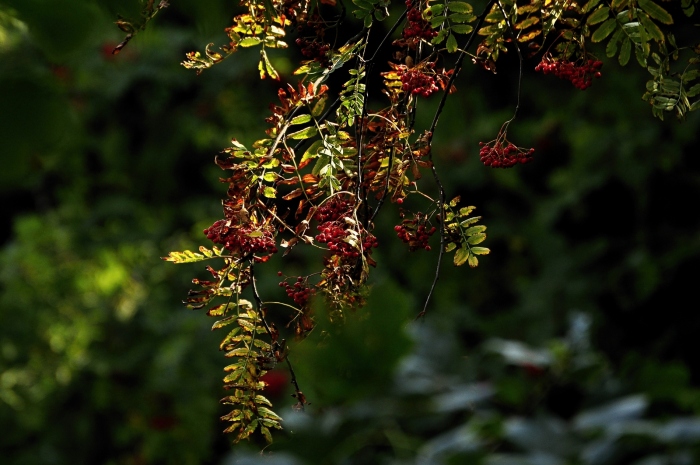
588 225
357 157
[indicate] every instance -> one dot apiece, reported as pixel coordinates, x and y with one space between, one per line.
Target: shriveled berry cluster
416 27
415 232
417 82
299 291
336 228
580 75
503 154
244 239
314 50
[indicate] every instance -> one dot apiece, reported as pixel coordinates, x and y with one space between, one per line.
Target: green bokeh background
574 342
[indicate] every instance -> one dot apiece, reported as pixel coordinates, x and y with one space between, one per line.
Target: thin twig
441 189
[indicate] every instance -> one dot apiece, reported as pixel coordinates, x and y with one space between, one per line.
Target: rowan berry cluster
314 50
299 292
503 154
339 238
415 232
417 82
332 210
580 75
416 26
244 239
338 229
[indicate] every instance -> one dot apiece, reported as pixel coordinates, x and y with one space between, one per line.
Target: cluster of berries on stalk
245 239
503 154
338 230
314 50
416 27
299 292
415 232
581 75
417 82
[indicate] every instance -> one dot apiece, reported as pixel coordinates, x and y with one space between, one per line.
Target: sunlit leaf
480 250
305 133
460 7
461 256
476 239
250 42
301 119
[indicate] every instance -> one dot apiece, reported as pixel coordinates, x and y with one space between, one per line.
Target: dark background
574 342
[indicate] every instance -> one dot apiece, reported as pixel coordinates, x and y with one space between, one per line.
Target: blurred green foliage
572 343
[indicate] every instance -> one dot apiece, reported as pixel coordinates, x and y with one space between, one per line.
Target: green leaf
460 7
590 5
364 4
250 42
611 48
651 27
655 11
469 221
641 53
464 211
476 239
267 413
319 106
312 151
305 133
450 247
239 352
461 18
436 21
475 230
687 77
693 91
473 261
229 337
266 434
461 256
438 39
262 400
265 62
301 119
480 251
462 28
451 44
598 16
437 9
625 51
604 30
224 322
185 257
